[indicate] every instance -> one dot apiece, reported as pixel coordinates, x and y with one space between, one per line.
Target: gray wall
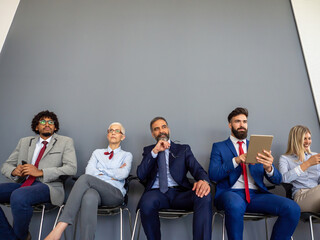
94 62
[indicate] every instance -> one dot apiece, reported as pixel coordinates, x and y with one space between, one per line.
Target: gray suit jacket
58 159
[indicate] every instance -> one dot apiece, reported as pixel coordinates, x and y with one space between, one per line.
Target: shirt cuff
235 164
270 174
298 170
14 178
154 155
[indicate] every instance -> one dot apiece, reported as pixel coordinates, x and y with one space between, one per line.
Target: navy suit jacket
181 160
222 171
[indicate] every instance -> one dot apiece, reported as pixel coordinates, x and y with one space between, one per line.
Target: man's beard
47 134
239 135
163 136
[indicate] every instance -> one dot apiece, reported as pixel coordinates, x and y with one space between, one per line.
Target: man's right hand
161 146
241 158
17 171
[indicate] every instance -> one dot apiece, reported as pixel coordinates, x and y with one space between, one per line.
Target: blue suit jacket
181 160
222 171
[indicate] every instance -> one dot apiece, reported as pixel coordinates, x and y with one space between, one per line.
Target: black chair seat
105 210
305 217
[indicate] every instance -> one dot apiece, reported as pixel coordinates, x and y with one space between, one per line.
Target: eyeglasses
43 122
114 131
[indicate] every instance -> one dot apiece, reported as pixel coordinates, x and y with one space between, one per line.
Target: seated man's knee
147 205
290 209
205 200
233 204
18 198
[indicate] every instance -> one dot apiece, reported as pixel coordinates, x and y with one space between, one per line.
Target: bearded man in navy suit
240 187
163 169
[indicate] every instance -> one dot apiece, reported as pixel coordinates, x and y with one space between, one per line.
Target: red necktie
109 153
244 172
31 179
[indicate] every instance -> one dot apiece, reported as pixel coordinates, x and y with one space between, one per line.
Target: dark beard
239 135
47 134
162 136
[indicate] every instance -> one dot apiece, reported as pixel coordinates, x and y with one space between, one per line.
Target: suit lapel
231 147
172 152
32 147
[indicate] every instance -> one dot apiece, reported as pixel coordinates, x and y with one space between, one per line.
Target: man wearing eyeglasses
35 167
163 169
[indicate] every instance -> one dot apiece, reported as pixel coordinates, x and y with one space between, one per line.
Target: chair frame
305 216
164 214
115 210
46 207
40 208
246 216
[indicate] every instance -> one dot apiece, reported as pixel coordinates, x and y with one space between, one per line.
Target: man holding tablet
240 187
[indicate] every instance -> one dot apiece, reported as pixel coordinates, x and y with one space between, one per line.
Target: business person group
36 164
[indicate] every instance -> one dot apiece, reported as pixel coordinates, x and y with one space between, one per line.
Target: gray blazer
58 159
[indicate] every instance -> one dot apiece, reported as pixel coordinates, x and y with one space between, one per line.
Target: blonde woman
300 167
103 183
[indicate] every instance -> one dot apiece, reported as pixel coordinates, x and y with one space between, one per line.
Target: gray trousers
86 195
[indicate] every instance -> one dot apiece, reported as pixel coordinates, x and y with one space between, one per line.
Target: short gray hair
121 127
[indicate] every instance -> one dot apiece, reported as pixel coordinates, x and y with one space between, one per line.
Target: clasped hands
266 159
27 169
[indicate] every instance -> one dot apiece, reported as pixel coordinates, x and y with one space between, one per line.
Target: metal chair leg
135 224
213 218
138 237
41 222
266 225
120 223
58 215
223 226
311 227
130 220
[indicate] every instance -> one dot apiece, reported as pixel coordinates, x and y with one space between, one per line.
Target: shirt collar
47 140
115 150
236 140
